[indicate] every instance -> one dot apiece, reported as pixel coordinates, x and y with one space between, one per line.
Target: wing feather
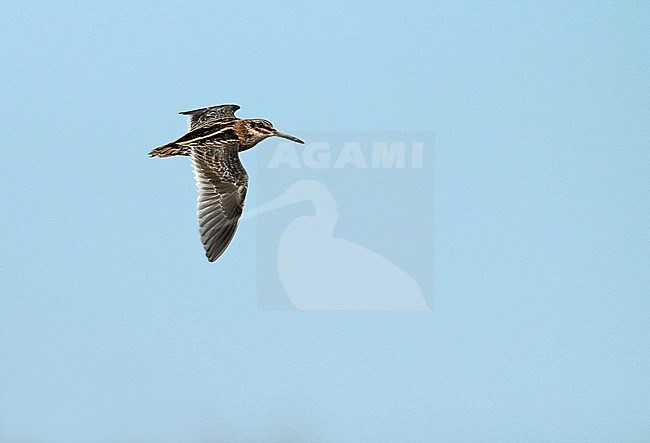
205 116
222 183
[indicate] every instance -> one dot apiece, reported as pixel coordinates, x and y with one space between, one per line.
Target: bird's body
214 140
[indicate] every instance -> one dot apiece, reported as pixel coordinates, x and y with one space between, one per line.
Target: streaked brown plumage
214 141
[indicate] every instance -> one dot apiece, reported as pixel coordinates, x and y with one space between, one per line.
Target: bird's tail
170 150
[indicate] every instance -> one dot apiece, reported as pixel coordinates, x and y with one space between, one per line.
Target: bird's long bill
289 137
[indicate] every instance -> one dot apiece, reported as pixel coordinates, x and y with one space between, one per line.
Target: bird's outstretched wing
202 117
222 183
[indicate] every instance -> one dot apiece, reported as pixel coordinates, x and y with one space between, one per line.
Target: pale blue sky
114 327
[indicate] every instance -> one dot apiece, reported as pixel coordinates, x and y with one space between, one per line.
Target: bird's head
260 129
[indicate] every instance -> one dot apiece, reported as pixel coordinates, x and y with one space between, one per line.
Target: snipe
214 140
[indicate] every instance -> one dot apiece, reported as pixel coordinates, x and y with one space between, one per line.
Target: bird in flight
213 142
